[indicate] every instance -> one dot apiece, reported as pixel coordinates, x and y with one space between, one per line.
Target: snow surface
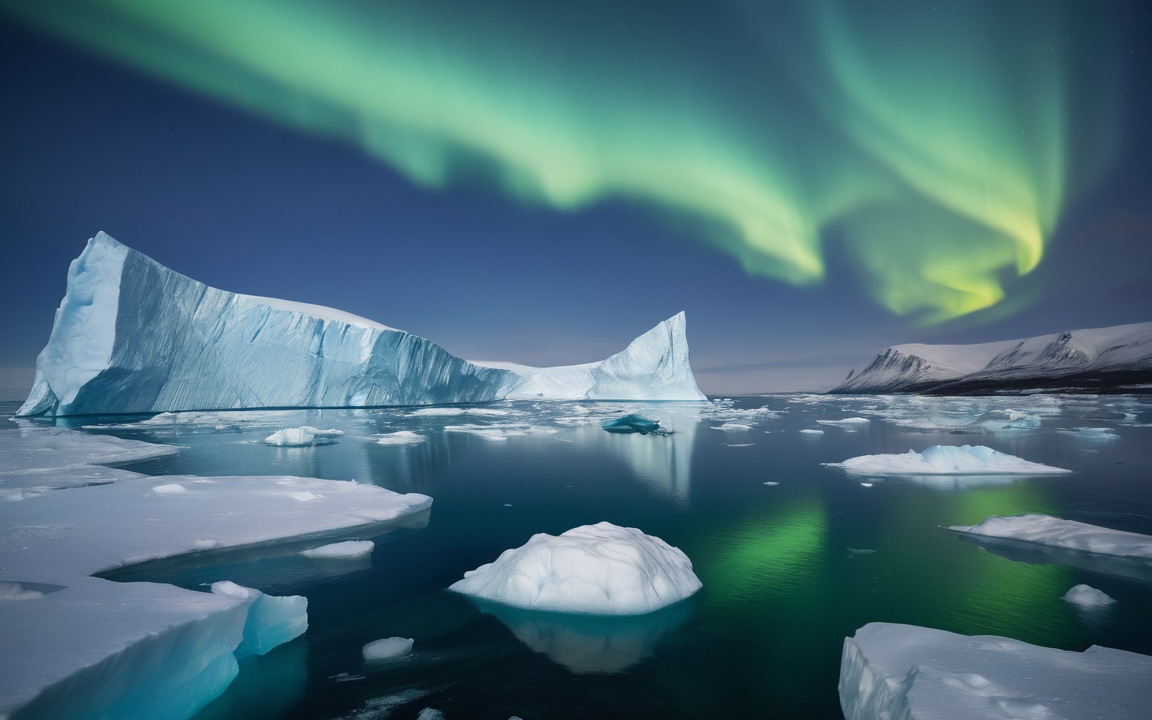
347 550
1086 596
303 436
387 648
79 646
1067 534
221 350
904 671
946 460
598 569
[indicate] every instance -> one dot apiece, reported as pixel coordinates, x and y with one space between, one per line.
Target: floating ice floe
946 460
1049 531
500 432
852 423
598 569
400 437
347 550
1092 433
89 647
1086 596
811 431
387 649
303 436
904 671
732 427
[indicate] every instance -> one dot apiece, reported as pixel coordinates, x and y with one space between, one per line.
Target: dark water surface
789 569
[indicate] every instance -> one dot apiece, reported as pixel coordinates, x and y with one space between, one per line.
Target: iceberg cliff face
1102 359
132 336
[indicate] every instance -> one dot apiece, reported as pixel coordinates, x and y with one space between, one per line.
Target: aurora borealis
923 154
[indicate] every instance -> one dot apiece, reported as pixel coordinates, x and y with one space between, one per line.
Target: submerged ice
132 336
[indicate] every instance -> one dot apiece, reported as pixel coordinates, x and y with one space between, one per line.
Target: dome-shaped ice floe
597 569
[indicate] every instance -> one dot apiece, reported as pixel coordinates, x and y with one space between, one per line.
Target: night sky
542 182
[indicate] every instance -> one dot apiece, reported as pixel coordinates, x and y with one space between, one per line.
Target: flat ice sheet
946 460
56 620
1066 534
906 671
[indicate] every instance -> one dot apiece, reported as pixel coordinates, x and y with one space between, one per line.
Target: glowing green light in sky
934 141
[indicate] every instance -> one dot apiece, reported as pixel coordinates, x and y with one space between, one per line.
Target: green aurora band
933 144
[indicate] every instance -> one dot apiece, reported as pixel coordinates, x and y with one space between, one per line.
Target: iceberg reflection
592 643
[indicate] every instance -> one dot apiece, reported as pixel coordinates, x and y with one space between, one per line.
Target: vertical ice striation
134 336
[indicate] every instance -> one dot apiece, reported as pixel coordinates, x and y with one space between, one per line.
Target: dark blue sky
247 202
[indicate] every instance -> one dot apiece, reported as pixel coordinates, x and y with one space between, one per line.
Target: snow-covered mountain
133 336
1098 360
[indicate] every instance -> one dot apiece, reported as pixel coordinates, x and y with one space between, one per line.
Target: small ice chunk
388 648
303 436
771 483
1095 433
430 714
599 569
946 460
169 489
811 431
401 437
732 427
341 551
1086 596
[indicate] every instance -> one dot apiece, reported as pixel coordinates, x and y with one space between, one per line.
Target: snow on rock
904 671
1086 596
347 550
1059 533
387 648
946 460
1095 359
303 436
81 646
271 621
598 569
132 336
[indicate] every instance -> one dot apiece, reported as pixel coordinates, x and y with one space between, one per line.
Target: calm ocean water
794 556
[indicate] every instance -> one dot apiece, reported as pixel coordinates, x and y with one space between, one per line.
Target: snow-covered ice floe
946 460
303 436
599 569
1054 532
400 437
75 645
904 671
133 336
1088 597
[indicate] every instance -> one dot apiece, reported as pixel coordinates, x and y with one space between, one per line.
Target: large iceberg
132 336
599 569
904 671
